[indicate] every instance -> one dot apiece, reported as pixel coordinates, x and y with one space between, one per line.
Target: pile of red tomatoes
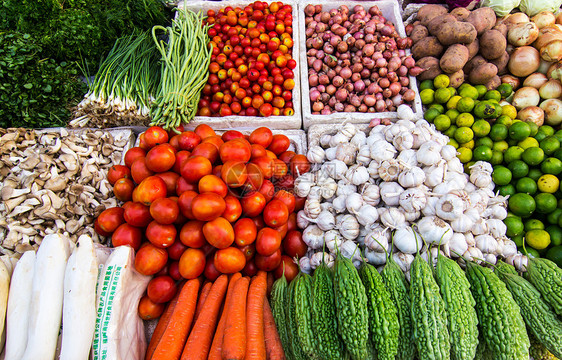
202 204
251 69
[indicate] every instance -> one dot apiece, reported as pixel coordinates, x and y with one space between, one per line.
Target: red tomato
149 260
219 233
299 203
161 289
181 157
268 241
268 263
176 249
270 154
185 202
215 140
248 250
253 204
133 154
286 156
280 169
175 142
211 273
161 235
255 177
155 135
207 150
262 136
212 184
279 144
287 198
217 170
266 165
123 189
182 186
148 309
229 260
204 131
207 206
234 173
245 232
164 210
191 234
282 230
192 263
233 209
258 151
258 221
275 213
110 219
174 270
236 150
188 140
117 172
139 171
99 230
250 269
195 168
287 182
171 180
126 234
287 267
293 245
142 143
231 135
161 158
137 214
292 222
267 190
150 189
299 165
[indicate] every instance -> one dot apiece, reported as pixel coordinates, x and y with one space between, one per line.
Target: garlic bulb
430 255
520 262
491 259
496 227
302 221
346 153
407 158
313 236
455 165
377 129
435 174
304 183
304 265
345 188
429 153
462 224
480 178
378 239
327 206
457 245
392 131
481 166
373 169
375 137
448 152
357 175
469 239
335 169
457 180
449 207
325 140
421 135
371 194
353 202
337 139
321 257
312 208
509 248
349 130
429 209
367 215
359 139
382 150
339 203
407 240
480 227
363 155
434 230
404 261
486 243
412 177
411 216
375 258
333 240
390 193
405 112
472 254
325 221
403 141
328 186
316 155
392 218
348 227
389 170
330 153
413 199
350 250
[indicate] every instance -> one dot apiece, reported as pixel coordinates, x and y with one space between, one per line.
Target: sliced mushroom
9 192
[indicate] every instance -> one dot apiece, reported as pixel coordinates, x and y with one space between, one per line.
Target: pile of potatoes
466 45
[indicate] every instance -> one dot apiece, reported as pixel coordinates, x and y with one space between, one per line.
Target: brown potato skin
473 48
428 46
501 63
474 62
502 28
454 59
456 79
428 12
493 83
419 32
481 74
431 66
483 19
461 13
492 44
457 32
436 23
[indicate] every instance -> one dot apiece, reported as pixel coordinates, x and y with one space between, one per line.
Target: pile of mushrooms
53 181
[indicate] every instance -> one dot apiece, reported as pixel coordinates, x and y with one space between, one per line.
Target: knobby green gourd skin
278 293
539 317
428 313
397 286
546 276
303 316
351 307
499 316
383 316
295 347
459 303
324 322
482 350
504 267
538 351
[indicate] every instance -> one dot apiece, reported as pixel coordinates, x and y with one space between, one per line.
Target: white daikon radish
19 297
5 275
46 298
79 305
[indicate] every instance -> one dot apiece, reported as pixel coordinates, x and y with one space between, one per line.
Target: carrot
173 339
216 346
199 341
234 341
202 297
255 338
273 347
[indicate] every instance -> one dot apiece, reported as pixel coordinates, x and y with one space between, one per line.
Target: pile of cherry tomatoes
251 69
202 204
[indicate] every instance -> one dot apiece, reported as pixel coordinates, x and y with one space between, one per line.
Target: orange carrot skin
199 341
273 346
216 346
202 297
255 337
234 340
172 342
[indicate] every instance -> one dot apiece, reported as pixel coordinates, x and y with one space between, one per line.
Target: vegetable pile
357 61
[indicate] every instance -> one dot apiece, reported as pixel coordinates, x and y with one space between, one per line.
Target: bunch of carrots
229 319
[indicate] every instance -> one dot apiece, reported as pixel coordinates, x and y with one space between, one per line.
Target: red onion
309 31
338 107
320 54
317 43
325 97
324 79
402 43
395 88
374 10
381 63
368 63
357 67
391 45
384 83
387 54
314 95
386 93
331 89
337 81
350 41
349 87
330 61
409 95
389 104
359 86
370 38
317 106
369 50
333 12
379 96
317 9
334 40
415 71
317 65
317 16
392 76
332 101
309 42
365 73
362 108
342 47
369 100
374 76
346 73
383 71
321 88
341 95
401 52
359 43
309 10
349 108
386 30
312 52
326 111
404 81
313 80
321 27
377 55
325 17
380 106
402 71
409 62
394 64
308 20
355 77
354 100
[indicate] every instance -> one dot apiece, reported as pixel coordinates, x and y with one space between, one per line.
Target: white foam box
391 11
272 122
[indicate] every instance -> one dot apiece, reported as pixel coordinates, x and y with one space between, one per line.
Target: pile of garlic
365 190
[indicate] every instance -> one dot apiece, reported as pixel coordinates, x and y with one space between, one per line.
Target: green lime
426 84
540 136
450 132
442 122
546 203
558 154
482 153
484 110
452 103
468 165
441 95
469 145
546 129
452 90
481 90
500 146
504 120
530 252
452 114
537 239
497 158
498 132
427 96
555 254
513 153
481 128
441 81
464 119
550 145
484 141
505 90
552 166
508 190
518 168
522 204
534 128
555 233
533 156
514 226
533 224
528 143
512 142
518 240
534 174
465 104
554 216
558 135
548 183
452 141
526 185
439 108
464 155
464 134
469 91
498 111
510 111
519 130
493 95
501 175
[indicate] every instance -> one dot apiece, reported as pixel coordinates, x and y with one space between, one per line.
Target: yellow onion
516 18
526 96
543 67
524 61
535 80
551 89
523 34
532 114
543 19
559 18
555 71
552 111
511 80
553 50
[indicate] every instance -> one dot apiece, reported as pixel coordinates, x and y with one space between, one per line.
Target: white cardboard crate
391 11
272 122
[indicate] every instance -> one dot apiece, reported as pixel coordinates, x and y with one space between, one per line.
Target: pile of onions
356 61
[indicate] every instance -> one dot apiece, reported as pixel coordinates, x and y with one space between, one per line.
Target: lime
484 141
558 154
518 240
546 203
452 114
546 129
534 128
468 165
528 143
483 153
507 190
526 185
548 183
514 226
484 110
441 81
500 146
427 96
464 119
530 252
452 90
498 132
518 168
452 103
513 153
493 95
481 128
441 95
468 145
452 141
534 174
519 130
497 112
501 175
497 158
554 216
512 142
509 111
522 204
481 90
537 239
552 166
464 155
505 90
533 224
533 156
442 122
558 135
426 84
431 114
464 134
504 120
550 145
469 91
555 254
439 107
555 233
540 136
465 104
450 132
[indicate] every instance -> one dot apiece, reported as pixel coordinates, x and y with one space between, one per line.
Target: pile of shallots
357 62
402 185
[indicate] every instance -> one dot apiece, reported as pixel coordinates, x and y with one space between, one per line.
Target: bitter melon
278 293
546 276
295 347
303 316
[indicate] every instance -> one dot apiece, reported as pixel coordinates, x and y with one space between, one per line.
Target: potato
431 66
501 28
473 48
481 74
428 46
456 79
454 59
457 32
492 44
418 32
483 19
474 62
493 83
501 63
436 23
428 12
460 13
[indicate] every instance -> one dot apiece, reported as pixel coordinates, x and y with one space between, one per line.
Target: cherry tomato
212 184
268 263
117 172
268 241
139 171
211 273
148 309
161 289
231 135
299 165
279 144
191 234
155 135
195 168
287 198
275 213
174 270
233 209
150 259
150 189
261 136
136 214
293 245
171 179
161 235
192 263
123 189
287 267
164 210
176 249
207 206
255 178
161 158
182 186
253 204
236 150
133 154
267 190
185 202
126 234
207 150
110 219
188 140
219 233
234 173
181 157
229 260
245 232
266 165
